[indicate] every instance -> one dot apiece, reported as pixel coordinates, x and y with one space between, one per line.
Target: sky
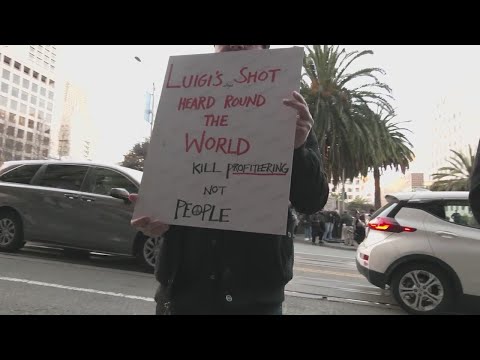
115 83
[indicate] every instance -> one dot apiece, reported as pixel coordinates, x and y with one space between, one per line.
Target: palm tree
334 101
455 177
391 149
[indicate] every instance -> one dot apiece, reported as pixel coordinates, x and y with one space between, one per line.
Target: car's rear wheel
11 231
146 252
422 289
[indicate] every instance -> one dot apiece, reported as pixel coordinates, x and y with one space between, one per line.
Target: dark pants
250 310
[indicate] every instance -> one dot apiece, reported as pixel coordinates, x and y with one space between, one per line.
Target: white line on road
58 286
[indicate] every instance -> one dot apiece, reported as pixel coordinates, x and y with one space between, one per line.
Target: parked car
78 206
426 247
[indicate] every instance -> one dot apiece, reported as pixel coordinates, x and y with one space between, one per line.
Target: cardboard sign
222 147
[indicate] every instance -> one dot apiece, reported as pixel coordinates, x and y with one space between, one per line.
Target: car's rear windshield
384 210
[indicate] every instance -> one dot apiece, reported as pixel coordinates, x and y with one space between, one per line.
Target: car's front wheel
11 231
146 252
422 288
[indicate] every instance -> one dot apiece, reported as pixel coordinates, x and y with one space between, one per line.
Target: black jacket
475 187
230 268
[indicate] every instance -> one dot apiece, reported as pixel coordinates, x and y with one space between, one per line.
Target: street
40 280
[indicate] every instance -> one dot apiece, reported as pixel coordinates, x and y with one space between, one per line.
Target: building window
4 88
51 83
9 143
48 117
50 95
28 148
6 74
45 153
16 79
15 92
24 96
3 115
11 131
17 65
14 104
41 103
33 100
3 101
44 79
43 91
47 129
46 141
25 83
52 67
31 111
34 87
29 136
357 190
20 133
31 124
32 48
349 189
7 60
21 120
350 197
49 106
35 75
39 126
18 146
7 156
23 108
12 118
26 70
40 115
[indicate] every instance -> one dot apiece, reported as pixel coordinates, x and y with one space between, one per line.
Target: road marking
327 272
93 291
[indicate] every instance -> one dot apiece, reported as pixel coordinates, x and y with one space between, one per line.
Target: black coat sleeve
309 186
475 187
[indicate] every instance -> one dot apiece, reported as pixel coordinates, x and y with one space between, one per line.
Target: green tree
136 156
455 177
336 103
388 147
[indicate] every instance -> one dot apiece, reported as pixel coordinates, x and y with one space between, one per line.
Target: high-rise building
27 94
75 131
456 127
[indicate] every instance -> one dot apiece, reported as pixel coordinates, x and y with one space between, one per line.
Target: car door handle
87 199
71 196
446 234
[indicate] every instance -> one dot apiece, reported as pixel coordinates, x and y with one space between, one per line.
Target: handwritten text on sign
222 147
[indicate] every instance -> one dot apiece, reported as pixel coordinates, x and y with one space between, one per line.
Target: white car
426 247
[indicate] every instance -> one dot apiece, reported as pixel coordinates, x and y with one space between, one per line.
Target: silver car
78 206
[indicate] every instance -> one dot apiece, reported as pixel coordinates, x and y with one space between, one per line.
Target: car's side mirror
121 194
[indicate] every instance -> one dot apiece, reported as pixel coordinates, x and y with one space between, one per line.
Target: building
27 95
74 129
456 127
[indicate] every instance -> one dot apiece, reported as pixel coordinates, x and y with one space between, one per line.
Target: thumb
133 198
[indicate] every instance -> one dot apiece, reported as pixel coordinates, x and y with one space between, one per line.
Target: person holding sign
226 267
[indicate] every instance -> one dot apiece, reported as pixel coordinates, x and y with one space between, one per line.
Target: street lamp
152 119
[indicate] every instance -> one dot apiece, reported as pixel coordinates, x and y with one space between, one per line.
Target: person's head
225 48
371 211
362 217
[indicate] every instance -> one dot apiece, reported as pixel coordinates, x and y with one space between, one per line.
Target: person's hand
145 225
304 118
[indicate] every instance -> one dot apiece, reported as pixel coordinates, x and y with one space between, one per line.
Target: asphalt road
39 280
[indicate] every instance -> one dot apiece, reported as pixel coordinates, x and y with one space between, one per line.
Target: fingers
299 97
140 222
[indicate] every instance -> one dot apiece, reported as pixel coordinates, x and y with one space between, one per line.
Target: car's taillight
388 224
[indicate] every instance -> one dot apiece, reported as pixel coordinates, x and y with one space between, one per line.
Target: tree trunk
378 198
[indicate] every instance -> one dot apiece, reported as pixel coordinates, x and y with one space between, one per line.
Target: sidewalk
335 244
